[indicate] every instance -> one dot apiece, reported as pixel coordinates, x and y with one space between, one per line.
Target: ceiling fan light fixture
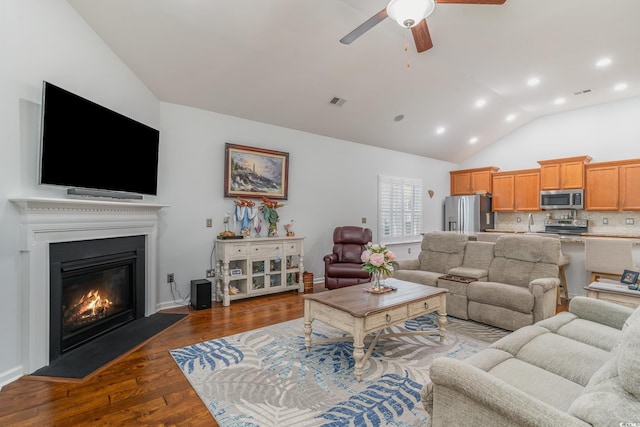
409 13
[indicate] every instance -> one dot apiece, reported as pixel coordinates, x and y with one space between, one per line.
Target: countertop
577 238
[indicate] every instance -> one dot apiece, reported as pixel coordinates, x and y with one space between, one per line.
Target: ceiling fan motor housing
408 13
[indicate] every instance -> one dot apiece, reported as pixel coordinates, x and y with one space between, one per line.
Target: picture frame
255 172
630 278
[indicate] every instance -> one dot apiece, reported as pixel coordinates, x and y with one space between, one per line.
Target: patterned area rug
265 377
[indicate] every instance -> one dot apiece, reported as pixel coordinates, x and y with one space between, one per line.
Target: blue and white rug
265 377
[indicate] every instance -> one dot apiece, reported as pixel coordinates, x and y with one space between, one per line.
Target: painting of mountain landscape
255 172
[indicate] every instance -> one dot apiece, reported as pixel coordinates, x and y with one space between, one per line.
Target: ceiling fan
409 14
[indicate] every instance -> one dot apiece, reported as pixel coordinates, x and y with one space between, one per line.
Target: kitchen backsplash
617 222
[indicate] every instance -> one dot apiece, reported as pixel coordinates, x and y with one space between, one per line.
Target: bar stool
607 257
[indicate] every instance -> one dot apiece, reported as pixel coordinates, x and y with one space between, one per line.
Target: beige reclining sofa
577 368
511 283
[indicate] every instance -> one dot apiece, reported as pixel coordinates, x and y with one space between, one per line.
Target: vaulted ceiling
280 62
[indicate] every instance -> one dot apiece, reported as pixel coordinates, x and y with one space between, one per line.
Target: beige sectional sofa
577 368
514 283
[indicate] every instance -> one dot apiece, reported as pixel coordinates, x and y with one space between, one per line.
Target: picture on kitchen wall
255 172
630 278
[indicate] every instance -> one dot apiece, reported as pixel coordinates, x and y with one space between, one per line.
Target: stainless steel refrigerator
468 214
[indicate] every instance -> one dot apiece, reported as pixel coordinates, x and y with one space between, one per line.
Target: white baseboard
10 376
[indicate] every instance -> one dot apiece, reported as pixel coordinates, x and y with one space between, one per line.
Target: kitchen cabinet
613 186
256 266
471 181
516 191
567 173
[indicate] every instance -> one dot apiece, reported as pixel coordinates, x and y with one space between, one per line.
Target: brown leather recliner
343 267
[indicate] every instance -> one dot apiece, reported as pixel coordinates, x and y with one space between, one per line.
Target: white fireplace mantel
49 220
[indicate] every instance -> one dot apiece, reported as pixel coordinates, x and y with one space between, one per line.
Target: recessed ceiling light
473 140
533 81
603 62
440 130
481 103
620 86
560 101
510 117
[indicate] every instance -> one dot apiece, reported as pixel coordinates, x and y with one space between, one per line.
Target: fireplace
95 286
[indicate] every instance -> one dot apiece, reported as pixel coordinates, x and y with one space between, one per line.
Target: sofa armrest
406 264
545 284
330 259
492 397
600 311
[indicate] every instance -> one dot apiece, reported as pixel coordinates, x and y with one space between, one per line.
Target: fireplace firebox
96 286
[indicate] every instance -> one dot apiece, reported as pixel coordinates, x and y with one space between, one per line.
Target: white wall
331 183
604 132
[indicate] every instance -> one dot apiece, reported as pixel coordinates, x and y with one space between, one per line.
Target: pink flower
391 256
377 259
365 256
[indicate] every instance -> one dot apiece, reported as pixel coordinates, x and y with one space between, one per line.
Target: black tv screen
88 146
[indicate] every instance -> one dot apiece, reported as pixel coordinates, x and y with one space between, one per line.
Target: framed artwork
255 172
630 278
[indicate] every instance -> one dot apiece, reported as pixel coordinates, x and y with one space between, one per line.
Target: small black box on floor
200 294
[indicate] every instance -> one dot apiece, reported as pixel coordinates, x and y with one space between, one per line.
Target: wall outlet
211 273
628 221
209 222
364 220
170 278
518 219
409 250
605 221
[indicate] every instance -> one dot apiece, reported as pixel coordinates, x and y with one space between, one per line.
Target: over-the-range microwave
562 199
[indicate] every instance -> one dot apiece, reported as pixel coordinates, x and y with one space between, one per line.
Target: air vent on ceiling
580 92
337 101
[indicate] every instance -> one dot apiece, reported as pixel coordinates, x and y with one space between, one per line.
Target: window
399 209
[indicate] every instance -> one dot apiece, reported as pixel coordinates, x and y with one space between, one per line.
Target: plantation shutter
399 209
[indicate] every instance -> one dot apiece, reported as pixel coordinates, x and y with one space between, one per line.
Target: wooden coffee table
360 313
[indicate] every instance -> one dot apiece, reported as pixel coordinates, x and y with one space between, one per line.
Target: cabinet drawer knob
426 305
387 317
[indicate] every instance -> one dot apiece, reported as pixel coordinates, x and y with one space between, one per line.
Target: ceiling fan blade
366 26
472 1
421 36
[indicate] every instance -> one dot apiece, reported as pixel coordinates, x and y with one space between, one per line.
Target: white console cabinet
257 266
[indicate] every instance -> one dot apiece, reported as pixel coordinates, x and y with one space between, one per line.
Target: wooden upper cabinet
564 173
516 191
471 181
613 186
630 187
502 199
527 190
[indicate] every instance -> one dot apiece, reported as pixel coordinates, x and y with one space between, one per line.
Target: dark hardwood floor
144 387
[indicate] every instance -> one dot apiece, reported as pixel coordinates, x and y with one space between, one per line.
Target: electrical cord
184 300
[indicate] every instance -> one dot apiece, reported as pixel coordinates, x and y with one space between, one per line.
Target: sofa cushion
539 383
585 331
428 278
604 400
554 353
474 273
521 259
501 295
477 260
442 251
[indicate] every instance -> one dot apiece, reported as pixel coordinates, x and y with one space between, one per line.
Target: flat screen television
90 147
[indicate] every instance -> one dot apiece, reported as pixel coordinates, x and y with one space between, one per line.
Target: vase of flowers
378 262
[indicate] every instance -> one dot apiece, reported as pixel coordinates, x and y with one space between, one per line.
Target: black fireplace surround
96 286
